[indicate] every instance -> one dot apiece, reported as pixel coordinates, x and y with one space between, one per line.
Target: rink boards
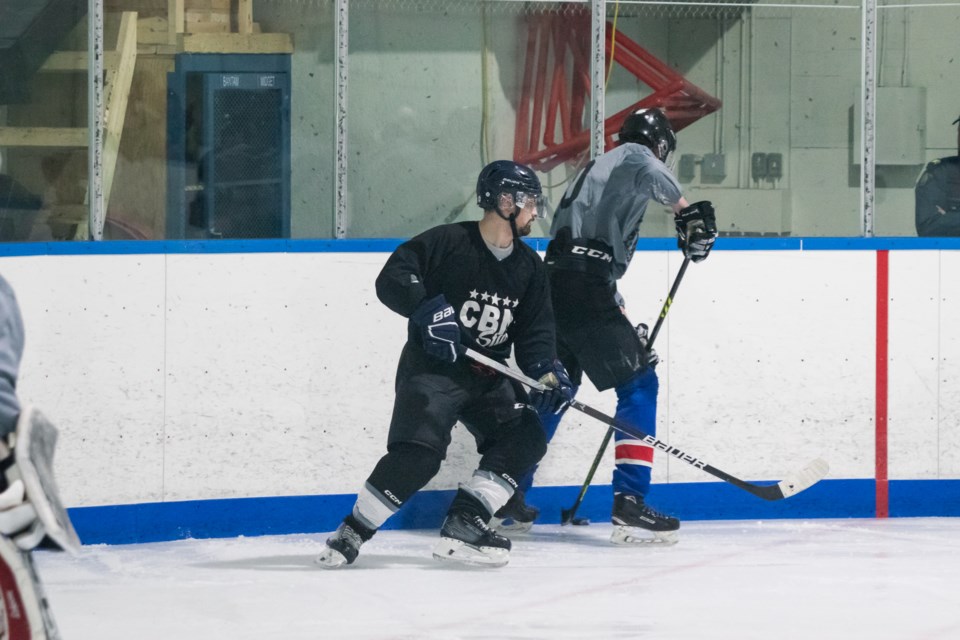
241 388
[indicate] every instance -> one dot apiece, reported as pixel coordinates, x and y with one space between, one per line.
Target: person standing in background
938 196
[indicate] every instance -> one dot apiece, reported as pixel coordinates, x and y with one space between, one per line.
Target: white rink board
200 376
914 365
93 362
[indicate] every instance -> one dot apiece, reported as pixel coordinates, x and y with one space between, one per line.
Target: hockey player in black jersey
594 235
476 285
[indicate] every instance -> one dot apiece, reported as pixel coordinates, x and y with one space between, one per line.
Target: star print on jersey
483 313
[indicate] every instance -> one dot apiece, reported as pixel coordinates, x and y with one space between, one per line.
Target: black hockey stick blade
567 517
790 486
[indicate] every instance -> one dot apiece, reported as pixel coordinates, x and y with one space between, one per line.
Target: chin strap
512 219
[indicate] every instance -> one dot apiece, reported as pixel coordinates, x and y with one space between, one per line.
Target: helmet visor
671 161
523 199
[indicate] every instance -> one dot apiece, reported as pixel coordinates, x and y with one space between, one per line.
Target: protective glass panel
434 92
236 155
918 100
224 125
43 119
761 97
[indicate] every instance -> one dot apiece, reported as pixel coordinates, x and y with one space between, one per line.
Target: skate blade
636 536
451 550
330 559
509 526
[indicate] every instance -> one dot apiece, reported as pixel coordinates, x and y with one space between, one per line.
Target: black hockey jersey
499 303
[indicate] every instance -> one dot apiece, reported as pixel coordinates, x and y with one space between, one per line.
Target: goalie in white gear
30 508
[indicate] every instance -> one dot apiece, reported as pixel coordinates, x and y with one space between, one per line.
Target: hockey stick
567 515
791 485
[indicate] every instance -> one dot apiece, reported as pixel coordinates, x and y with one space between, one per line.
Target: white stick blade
805 478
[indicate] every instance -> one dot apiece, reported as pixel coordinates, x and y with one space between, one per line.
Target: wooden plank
117 99
69 213
208 27
153 31
236 43
175 20
65 137
74 61
207 5
207 16
139 195
245 16
156 49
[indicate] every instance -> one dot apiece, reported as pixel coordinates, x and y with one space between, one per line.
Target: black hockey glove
559 390
439 330
696 230
643 332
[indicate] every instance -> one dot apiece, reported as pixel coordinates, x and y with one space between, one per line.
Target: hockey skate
636 523
466 538
516 516
343 546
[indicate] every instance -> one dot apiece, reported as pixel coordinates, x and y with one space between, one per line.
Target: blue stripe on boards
386 245
227 518
924 498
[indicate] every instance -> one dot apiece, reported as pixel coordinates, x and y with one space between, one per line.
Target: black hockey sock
520 447
403 471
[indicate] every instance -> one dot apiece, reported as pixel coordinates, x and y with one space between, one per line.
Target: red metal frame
557 67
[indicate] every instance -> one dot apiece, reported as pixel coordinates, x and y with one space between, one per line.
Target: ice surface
896 578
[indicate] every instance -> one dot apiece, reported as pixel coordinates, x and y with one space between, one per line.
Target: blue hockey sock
637 406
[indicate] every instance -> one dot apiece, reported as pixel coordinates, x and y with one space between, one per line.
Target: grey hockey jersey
608 202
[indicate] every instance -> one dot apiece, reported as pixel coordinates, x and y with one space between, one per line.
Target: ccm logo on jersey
392 497
592 253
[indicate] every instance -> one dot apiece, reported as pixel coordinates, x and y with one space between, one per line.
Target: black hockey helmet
651 128
506 176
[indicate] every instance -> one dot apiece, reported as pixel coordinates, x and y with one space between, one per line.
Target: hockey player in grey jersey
594 235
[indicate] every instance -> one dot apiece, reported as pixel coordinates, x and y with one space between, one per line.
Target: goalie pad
24 609
36 438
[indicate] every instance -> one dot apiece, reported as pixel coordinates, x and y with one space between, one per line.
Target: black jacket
938 198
